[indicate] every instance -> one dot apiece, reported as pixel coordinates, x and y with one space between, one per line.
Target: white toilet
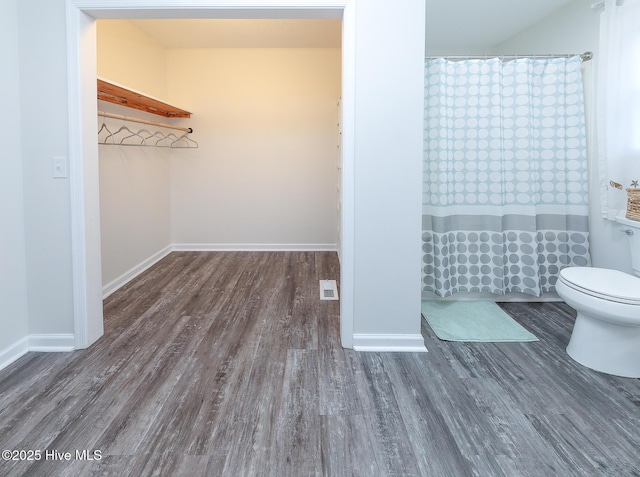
606 334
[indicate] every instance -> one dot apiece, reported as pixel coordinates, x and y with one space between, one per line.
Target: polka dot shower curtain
505 175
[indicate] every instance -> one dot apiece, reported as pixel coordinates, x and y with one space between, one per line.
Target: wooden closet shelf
117 94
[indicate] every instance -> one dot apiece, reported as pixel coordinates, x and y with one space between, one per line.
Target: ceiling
298 33
454 23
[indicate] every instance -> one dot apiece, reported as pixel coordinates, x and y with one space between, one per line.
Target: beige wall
265 171
134 181
266 124
134 204
130 57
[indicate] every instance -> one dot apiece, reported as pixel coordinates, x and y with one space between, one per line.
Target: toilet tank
632 229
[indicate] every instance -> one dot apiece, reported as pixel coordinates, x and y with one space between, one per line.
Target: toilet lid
611 285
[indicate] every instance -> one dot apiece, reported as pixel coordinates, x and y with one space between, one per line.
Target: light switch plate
60 167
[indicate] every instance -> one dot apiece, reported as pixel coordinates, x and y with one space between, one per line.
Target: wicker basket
633 204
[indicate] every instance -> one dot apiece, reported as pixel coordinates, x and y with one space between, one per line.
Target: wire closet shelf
129 136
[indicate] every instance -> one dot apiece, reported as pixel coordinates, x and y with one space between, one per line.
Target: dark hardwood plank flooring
228 364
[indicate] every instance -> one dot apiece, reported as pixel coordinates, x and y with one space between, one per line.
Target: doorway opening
83 150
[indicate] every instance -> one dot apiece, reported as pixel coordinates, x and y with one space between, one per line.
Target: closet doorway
83 143
259 172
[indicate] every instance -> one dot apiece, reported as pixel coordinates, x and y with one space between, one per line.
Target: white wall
388 166
44 132
13 279
265 169
575 29
445 50
135 207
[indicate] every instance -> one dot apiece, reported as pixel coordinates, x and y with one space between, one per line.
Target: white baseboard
255 247
13 352
54 342
389 343
129 275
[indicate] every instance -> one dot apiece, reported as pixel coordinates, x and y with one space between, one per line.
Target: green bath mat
482 321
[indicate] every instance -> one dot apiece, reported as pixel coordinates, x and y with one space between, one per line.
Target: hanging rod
584 57
143 121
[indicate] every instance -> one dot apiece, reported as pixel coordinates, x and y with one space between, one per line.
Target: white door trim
83 149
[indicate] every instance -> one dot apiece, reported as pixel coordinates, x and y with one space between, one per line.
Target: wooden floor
227 364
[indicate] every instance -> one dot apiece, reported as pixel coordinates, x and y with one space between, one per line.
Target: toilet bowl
606 334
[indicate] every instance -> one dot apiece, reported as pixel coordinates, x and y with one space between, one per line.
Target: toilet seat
603 283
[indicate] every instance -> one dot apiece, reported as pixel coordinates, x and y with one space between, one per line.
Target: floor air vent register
328 290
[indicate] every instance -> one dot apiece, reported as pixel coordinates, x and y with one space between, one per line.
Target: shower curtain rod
142 121
584 57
